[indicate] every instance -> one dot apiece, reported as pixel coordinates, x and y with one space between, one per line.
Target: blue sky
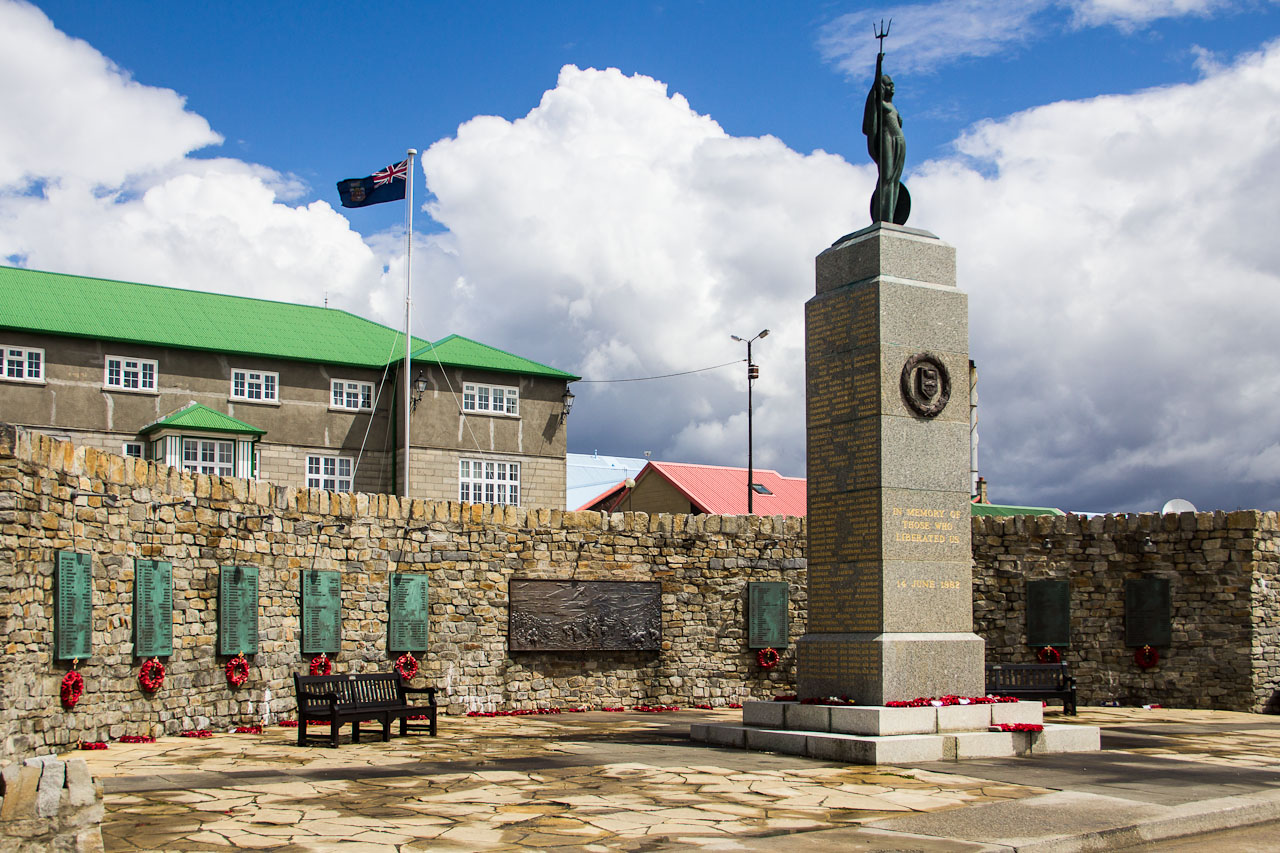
1106 169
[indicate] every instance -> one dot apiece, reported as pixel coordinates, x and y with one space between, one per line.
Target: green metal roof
201 417
79 306
1005 510
457 351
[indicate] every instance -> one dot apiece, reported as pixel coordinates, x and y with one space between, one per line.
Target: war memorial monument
889 555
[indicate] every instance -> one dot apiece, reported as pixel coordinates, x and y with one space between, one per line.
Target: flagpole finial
412 152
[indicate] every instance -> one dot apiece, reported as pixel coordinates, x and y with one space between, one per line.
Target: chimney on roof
981 496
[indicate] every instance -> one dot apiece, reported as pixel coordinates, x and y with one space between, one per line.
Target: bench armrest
430 691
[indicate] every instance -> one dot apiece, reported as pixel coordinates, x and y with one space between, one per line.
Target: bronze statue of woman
887 146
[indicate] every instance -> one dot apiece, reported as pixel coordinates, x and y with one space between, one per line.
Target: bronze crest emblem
356 188
926 385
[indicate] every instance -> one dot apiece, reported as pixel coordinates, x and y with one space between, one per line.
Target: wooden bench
1033 681
378 697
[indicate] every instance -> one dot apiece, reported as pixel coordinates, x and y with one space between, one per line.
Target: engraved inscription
73 616
237 610
407 613
152 608
321 611
767 615
928 526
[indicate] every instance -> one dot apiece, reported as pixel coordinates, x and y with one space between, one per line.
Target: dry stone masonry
468 552
48 804
1225 650
1223 571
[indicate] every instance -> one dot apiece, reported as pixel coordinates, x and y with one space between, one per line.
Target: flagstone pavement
593 781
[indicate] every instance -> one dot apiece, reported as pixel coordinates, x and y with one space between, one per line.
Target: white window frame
264 383
215 456
342 392
129 371
22 364
482 399
326 471
489 481
138 447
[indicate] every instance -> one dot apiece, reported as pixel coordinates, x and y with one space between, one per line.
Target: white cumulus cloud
97 178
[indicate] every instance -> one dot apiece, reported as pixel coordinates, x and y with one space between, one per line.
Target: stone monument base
875 668
861 734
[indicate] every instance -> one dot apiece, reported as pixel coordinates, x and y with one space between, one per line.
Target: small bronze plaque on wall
152 608
584 616
1148 612
767 615
73 613
321 611
409 617
1048 614
237 610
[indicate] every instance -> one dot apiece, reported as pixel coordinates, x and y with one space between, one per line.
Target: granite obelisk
887 407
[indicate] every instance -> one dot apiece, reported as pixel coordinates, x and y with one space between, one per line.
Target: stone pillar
890 577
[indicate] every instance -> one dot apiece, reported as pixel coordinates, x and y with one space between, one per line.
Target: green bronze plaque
407 631
1148 612
1048 614
73 613
152 608
321 611
237 610
767 615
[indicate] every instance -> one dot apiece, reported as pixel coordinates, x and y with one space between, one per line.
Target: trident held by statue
882 32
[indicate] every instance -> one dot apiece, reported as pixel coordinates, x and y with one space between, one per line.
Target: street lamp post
753 373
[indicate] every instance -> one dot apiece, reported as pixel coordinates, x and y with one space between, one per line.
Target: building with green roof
296 394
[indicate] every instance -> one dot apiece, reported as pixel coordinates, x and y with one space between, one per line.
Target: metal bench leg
334 726
386 726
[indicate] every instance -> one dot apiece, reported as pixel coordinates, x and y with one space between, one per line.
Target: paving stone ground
595 781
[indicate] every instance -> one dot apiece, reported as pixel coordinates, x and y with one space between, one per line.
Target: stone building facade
1223 569
298 395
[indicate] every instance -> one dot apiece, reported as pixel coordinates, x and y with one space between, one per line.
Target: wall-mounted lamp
419 388
567 399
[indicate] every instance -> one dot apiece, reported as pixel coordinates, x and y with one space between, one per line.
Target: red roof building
679 487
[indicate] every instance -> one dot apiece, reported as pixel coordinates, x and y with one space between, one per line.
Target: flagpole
408 307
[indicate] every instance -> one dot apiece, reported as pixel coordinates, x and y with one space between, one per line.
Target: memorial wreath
321 665
407 666
768 658
72 689
1146 657
151 675
237 670
1049 655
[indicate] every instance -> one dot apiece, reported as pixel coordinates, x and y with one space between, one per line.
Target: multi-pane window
482 481
494 399
22 364
329 472
255 385
355 396
208 456
133 448
130 374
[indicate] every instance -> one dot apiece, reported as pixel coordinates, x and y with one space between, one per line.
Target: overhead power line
666 375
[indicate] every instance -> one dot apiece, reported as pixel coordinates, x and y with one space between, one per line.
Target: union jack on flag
389 184
397 172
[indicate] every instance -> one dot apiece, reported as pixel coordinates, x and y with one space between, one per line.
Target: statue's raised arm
885 143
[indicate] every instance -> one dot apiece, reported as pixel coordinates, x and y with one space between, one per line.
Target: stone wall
1222 569
469 553
47 804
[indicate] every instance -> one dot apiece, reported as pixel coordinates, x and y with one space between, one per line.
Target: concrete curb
1187 819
